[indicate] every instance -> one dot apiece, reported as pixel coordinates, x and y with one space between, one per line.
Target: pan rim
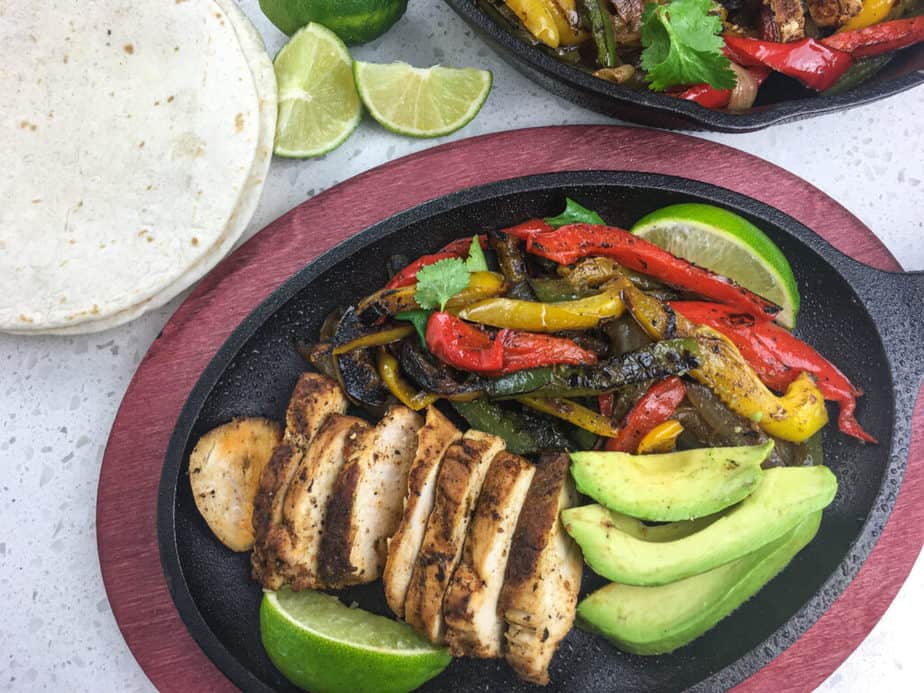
733 673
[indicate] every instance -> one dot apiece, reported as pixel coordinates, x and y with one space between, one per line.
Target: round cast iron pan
867 321
780 99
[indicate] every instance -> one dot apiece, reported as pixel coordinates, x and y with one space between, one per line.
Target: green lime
725 243
421 102
355 21
318 104
325 647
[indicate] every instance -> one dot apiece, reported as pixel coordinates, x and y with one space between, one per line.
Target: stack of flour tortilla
136 138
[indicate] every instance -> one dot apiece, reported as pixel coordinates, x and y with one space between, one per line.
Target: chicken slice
457 486
314 399
433 439
296 542
224 473
833 12
365 504
543 578
782 20
473 626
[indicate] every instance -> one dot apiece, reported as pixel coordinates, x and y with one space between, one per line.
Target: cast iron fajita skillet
780 99
868 322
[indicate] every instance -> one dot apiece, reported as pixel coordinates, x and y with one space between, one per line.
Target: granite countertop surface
58 396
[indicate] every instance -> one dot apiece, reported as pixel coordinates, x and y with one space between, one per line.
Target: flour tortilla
131 133
264 77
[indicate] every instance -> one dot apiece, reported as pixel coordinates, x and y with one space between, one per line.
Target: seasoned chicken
224 472
543 577
457 486
365 504
296 542
833 12
473 626
433 439
782 20
315 398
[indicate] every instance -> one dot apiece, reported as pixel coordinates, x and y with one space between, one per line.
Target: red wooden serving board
127 497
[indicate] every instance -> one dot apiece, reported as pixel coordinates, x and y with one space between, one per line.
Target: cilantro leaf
574 214
476 261
439 282
683 46
418 318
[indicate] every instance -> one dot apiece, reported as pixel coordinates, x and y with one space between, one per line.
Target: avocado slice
657 620
670 486
785 496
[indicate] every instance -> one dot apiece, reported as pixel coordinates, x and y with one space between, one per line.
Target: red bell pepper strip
816 65
878 38
462 345
778 357
531 350
461 246
575 241
706 95
457 248
654 408
605 403
528 228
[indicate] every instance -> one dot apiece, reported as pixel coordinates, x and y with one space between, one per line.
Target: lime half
318 105
727 244
323 646
355 21
421 102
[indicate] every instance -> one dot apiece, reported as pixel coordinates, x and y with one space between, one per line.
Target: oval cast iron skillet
780 100
868 322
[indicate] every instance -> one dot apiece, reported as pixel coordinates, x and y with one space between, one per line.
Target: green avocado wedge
670 486
658 620
784 497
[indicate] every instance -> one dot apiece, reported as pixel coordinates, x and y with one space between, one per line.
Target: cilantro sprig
439 282
442 280
683 46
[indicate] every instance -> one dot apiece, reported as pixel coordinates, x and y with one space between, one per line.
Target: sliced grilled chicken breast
543 578
314 399
457 486
224 472
473 626
433 439
365 504
296 542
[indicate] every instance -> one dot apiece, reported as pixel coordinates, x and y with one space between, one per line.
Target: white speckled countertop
58 396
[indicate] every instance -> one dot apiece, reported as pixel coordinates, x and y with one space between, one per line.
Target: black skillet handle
895 300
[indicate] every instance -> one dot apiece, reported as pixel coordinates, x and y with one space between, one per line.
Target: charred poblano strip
659 360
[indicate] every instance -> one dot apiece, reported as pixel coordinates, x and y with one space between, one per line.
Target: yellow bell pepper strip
390 373
580 416
387 302
795 416
580 314
873 12
539 19
661 438
565 14
392 334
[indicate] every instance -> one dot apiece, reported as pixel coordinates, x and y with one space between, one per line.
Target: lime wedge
725 243
421 102
318 105
321 645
